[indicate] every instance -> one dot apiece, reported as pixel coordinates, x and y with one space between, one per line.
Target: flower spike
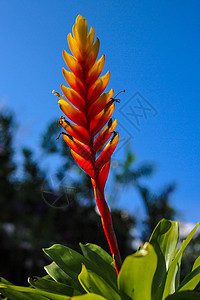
89 108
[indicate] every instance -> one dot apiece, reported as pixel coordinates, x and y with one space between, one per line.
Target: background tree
157 205
36 214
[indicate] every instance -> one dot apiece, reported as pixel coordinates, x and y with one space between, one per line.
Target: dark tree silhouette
35 214
157 205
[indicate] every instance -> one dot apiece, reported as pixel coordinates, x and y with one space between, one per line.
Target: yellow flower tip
80 31
79 17
81 23
112 92
60 101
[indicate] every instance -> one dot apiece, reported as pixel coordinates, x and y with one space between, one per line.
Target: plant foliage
152 273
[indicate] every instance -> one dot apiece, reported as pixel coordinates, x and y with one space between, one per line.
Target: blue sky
151 47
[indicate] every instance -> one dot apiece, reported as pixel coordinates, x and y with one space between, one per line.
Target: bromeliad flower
90 110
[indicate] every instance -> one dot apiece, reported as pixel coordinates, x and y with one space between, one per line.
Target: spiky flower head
87 106
90 110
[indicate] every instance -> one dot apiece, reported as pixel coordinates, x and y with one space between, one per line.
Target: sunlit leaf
52 286
90 296
191 280
31 291
137 272
69 261
58 274
170 280
15 295
184 296
165 237
93 283
164 240
103 261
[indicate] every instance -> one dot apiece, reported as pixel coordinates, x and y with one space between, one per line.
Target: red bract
90 109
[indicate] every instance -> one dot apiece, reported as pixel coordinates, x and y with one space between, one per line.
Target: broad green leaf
177 275
184 296
58 274
31 291
103 261
52 286
47 277
93 283
196 263
93 252
190 281
90 296
175 282
67 259
165 238
15 295
137 272
169 284
70 262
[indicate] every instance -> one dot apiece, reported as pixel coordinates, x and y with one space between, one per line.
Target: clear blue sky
151 47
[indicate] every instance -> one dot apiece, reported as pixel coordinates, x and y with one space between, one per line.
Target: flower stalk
90 109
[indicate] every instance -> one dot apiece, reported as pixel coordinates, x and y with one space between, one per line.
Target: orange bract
90 108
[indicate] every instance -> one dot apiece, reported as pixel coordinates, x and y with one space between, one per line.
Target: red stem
107 226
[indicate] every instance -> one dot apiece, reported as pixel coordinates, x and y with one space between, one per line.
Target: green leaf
67 259
70 262
164 240
58 274
47 277
191 280
103 261
31 291
15 295
170 280
90 296
137 272
196 263
93 283
184 296
52 286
